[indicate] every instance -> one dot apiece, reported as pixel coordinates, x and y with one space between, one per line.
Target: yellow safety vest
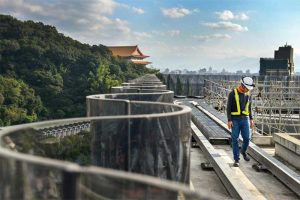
238 106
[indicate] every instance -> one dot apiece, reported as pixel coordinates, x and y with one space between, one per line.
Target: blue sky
177 34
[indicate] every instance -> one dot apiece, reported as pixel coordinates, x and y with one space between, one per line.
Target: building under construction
281 65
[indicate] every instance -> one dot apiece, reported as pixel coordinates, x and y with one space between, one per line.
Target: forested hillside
46 75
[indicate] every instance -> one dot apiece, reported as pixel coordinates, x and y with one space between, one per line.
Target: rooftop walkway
225 180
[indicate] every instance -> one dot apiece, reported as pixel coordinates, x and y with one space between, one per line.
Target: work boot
246 157
236 163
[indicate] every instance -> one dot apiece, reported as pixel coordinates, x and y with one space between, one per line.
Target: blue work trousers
240 126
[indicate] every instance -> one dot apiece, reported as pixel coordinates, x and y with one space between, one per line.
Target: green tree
62 71
102 81
18 102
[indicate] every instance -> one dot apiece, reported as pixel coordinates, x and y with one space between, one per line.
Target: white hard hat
248 82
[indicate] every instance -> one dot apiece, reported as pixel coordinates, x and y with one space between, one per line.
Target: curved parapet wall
153 139
142 138
147 79
146 86
154 145
139 95
24 174
143 83
121 89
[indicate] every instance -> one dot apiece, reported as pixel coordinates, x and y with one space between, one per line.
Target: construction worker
239 115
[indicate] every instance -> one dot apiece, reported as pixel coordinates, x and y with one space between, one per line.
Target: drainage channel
243 182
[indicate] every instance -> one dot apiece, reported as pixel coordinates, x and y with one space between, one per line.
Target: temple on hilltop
131 53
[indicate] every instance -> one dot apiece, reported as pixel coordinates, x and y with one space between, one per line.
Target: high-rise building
286 52
281 65
274 67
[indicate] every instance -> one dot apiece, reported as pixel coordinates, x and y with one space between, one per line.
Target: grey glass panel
110 143
103 107
156 146
23 180
105 187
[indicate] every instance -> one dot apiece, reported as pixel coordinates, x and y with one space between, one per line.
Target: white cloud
89 21
133 8
58 8
212 37
168 33
138 10
242 16
159 33
226 25
103 6
225 15
173 33
141 35
177 12
228 15
21 4
297 51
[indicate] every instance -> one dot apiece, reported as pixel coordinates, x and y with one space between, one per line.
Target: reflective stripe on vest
238 106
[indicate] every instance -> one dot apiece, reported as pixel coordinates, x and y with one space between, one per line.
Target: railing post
70 185
128 112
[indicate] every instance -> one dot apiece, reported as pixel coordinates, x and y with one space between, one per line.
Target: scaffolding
275 104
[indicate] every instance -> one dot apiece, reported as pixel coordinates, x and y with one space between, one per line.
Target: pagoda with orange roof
131 53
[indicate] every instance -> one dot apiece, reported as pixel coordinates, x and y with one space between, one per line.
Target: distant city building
178 71
281 65
239 72
202 71
274 67
131 53
286 52
167 71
